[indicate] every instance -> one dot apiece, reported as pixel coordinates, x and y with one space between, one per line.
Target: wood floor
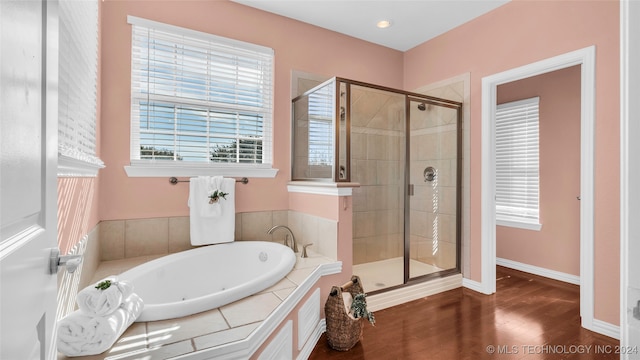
529 317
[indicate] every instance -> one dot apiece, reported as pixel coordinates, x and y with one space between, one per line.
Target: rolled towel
80 334
96 302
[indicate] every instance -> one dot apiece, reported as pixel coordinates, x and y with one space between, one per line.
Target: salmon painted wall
78 197
519 33
77 210
297 46
557 245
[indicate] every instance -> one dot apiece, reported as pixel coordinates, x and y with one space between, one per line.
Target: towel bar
174 180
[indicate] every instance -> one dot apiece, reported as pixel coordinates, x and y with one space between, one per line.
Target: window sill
155 169
519 224
71 167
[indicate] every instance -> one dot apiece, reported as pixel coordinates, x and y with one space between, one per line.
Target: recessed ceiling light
383 24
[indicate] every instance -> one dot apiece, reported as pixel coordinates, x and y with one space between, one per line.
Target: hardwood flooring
529 317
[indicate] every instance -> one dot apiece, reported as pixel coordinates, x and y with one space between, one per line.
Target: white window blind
517 162
198 98
77 87
321 126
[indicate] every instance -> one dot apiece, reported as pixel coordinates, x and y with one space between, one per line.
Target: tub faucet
293 246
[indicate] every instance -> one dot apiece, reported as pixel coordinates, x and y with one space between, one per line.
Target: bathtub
207 277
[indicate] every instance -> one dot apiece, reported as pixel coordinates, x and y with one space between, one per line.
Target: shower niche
404 150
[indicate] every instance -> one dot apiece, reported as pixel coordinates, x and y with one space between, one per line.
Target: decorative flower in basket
359 308
214 196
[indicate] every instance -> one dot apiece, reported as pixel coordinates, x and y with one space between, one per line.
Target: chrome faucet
294 246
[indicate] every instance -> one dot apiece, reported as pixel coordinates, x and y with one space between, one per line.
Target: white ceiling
413 21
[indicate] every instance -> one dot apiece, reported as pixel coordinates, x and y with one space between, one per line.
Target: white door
28 160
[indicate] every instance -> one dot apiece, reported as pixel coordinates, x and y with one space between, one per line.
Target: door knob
71 262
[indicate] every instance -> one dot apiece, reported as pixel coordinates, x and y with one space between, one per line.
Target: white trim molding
585 57
159 169
409 293
536 270
629 174
322 188
72 167
606 328
473 285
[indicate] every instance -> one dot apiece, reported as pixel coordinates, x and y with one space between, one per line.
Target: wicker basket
343 331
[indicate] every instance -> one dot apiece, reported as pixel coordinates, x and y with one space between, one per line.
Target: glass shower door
378 128
431 231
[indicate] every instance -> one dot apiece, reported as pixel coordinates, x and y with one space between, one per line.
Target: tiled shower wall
377 153
434 143
433 206
377 131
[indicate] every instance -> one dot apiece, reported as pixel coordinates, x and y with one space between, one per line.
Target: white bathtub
208 277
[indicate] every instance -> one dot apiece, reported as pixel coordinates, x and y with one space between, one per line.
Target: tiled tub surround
236 330
115 246
123 239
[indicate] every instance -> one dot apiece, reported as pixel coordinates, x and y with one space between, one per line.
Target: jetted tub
207 277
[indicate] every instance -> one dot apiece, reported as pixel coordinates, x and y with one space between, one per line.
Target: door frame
629 171
586 58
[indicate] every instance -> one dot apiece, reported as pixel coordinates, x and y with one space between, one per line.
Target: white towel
207 228
96 302
80 334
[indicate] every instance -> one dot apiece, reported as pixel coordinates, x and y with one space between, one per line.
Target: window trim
155 168
515 221
72 167
518 223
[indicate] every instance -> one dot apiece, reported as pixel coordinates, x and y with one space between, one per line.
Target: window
77 88
321 127
200 104
517 164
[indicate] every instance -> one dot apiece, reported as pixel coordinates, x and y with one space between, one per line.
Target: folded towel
205 230
80 334
96 302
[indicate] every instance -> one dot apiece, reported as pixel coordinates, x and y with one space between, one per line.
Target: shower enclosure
404 150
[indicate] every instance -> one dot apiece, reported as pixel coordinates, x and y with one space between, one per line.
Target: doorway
586 58
538 185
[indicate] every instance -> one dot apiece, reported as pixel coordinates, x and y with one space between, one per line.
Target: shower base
382 274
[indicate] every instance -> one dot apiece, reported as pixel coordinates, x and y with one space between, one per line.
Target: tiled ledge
235 330
322 187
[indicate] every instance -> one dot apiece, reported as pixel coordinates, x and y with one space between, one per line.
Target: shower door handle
410 190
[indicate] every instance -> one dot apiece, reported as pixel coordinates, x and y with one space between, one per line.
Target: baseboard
605 328
472 285
551 274
313 340
400 296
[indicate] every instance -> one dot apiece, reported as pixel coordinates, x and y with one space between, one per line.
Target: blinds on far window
517 161
197 97
78 74
321 112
